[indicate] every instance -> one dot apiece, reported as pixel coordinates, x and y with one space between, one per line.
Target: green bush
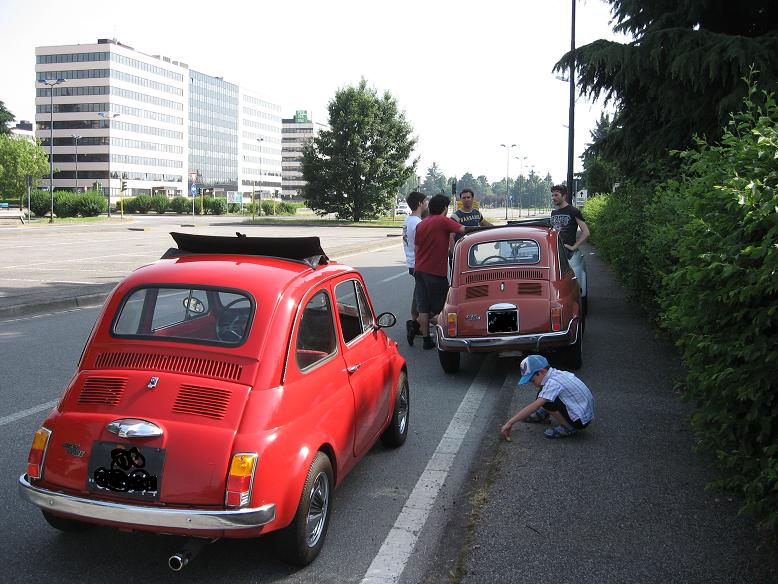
91 204
180 205
250 208
234 207
142 204
160 204
267 207
40 203
286 208
65 204
215 206
128 204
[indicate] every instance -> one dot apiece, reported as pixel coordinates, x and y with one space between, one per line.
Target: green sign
300 116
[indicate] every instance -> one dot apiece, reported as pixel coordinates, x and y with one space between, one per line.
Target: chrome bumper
530 342
138 515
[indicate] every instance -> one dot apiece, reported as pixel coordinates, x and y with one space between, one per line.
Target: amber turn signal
452 324
40 443
240 480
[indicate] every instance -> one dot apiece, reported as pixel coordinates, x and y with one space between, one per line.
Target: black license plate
126 469
502 321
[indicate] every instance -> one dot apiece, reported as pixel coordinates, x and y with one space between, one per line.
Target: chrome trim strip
533 341
139 515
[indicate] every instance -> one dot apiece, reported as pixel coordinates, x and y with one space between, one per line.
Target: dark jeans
558 406
430 292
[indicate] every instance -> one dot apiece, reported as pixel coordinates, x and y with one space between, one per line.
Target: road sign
193 189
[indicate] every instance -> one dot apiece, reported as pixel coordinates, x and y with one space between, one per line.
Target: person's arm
524 412
485 223
584 235
450 244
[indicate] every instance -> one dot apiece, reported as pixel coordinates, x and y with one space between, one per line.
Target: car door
364 351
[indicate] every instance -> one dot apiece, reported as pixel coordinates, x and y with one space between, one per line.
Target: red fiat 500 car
512 289
222 393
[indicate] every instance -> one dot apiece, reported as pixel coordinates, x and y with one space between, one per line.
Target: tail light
556 319
40 443
240 480
452 324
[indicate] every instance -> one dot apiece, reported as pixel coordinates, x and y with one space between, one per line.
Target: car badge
73 449
502 286
472 317
153 382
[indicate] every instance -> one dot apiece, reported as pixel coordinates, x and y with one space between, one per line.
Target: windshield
504 252
206 315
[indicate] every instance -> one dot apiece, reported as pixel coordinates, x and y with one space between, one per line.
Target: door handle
354 368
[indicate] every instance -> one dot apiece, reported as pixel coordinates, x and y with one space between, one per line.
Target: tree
6 118
356 168
680 76
435 182
20 158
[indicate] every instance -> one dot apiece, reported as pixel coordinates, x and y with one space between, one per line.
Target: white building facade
259 168
119 116
296 132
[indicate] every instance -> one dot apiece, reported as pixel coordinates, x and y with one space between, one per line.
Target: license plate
502 321
126 469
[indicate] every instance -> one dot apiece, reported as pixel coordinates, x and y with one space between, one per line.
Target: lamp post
107 116
507 176
76 138
571 114
260 140
50 83
521 160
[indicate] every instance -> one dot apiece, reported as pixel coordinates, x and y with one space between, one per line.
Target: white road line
340 257
76 260
28 412
48 280
390 278
389 563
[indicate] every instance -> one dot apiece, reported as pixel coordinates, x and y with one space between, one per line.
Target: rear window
199 315
504 252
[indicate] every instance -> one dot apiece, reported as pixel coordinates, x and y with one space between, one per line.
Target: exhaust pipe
192 547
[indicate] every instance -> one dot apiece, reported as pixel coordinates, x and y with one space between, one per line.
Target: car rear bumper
528 342
148 517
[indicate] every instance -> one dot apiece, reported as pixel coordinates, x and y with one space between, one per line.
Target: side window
564 265
316 333
364 308
348 310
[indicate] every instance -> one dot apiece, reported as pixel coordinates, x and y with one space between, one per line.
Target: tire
449 361
66 525
299 543
397 431
572 357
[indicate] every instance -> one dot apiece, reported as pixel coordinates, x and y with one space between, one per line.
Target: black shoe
428 344
411 330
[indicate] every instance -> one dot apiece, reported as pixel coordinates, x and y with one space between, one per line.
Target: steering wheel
497 260
231 324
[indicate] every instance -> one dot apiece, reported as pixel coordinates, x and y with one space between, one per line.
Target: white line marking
28 412
389 563
340 257
34 316
390 278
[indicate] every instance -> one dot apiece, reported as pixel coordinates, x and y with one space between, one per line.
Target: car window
349 313
316 332
564 265
504 252
189 314
364 308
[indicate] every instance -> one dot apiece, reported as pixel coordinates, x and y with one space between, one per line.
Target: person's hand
570 247
505 430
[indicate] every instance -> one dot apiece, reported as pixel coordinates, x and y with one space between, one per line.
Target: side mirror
386 320
193 304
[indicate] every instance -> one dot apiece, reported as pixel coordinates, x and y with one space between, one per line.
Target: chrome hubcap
402 408
317 511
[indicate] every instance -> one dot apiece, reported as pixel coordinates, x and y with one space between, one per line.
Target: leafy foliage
180 205
355 168
160 204
91 204
6 118
216 205
20 158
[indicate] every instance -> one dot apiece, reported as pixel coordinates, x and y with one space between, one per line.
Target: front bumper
138 515
529 342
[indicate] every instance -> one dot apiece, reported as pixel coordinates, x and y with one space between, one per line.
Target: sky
469 76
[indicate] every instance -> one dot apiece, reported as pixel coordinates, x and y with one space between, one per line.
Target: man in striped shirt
561 394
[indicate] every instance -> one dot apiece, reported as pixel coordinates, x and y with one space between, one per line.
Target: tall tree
435 181
20 158
6 118
356 168
680 75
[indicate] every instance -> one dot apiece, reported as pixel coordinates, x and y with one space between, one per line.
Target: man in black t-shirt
467 216
567 219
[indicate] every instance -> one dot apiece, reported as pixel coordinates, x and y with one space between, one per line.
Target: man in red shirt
432 238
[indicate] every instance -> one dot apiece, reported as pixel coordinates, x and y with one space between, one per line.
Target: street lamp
260 140
108 116
521 160
50 83
76 138
571 114
507 176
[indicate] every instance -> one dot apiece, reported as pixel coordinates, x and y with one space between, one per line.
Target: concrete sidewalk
623 501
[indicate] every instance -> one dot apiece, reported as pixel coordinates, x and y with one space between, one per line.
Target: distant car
512 289
223 393
402 210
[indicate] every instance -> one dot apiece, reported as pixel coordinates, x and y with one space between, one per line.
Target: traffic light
124 185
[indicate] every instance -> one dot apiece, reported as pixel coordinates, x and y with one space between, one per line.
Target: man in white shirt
418 205
565 397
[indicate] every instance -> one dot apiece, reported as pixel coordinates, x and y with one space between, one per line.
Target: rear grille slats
519 274
477 292
530 289
102 390
202 401
174 364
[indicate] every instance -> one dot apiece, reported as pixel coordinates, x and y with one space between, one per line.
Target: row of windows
200 80
262 103
114 74
255 147
288 130
201 129
119 159
106 90
259 114
103 107
106 56
116 125
81 157
224 119
256 172
121 142
260 126
104 175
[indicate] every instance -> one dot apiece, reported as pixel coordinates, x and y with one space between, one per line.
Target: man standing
418 204
467 216
567 219
432 240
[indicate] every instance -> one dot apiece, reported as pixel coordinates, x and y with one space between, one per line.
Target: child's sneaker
560 432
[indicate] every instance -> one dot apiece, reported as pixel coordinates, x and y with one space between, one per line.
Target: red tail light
452 324
556 319
240 480
40 443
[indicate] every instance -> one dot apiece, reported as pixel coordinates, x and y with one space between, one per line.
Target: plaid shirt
572 391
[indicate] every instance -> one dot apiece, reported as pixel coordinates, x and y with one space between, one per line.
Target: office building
296 132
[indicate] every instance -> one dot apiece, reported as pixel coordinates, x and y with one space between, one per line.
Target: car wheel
64 524
302 541
397 431
449 361
572 357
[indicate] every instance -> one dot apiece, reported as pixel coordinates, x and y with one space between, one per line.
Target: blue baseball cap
531 365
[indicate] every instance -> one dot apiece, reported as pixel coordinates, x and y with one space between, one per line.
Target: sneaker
428 344
411 330
560 432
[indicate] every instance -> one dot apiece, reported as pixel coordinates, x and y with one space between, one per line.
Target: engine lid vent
202 401
171 363
477 291
102 390
518 274
530 289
